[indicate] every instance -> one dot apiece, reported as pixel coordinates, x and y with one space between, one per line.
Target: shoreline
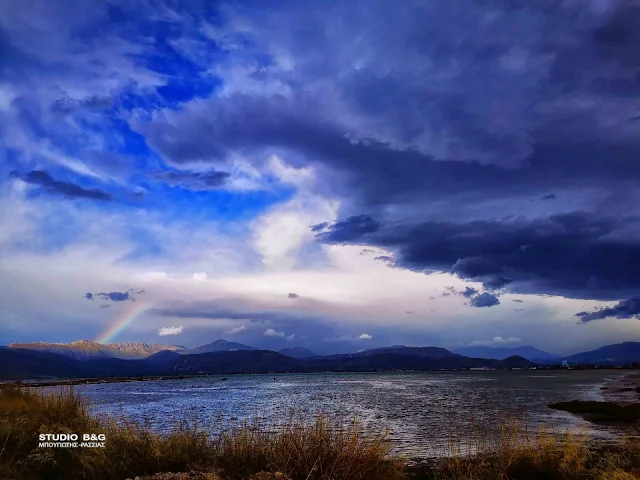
53 381
89 381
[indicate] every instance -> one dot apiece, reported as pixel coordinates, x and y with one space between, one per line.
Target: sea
423 412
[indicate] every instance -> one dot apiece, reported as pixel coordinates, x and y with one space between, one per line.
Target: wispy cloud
67 189
236 330
497 341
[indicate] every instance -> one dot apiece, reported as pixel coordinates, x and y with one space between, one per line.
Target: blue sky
431 173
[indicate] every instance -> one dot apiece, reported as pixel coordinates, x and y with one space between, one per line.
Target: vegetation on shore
601 412
316 450
320 450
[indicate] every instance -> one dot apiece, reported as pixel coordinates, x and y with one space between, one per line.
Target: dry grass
316 450
511 451
320 450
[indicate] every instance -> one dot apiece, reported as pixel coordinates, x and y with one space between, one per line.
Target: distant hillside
616 354
297 352
431 352
19 364
22 364
87 350
141 350
220 346
79 350
500 353
396 361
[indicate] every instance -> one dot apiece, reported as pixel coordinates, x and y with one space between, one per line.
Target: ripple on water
420 408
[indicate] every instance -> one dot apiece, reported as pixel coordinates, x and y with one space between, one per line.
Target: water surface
420 408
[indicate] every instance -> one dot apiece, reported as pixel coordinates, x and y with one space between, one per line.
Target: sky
337 175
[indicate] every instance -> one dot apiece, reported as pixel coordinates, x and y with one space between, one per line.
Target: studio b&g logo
72 440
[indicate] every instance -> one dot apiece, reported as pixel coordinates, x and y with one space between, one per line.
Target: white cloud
497 341
270 332
283 231
200 276
365 336
300 177
166 331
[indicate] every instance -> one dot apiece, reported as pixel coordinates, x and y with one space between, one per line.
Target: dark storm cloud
193 180
113 296
484 300
624 309
549 74
568 254
321 226
476 268
495 282
469 292
67 189
432 132
350 229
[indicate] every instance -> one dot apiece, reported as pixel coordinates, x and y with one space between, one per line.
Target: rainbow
122 321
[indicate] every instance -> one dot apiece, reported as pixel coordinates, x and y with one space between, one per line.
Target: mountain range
298 352
219 346
86 350
528 352
19 363
84 358
618 354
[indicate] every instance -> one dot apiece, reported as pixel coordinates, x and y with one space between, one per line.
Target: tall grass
315 450
319 449
510 450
